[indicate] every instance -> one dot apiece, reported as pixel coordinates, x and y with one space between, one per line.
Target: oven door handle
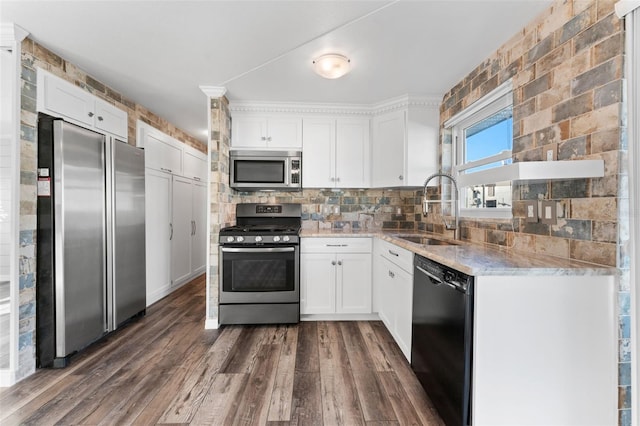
257 250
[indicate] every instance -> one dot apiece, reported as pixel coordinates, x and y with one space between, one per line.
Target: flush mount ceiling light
331 65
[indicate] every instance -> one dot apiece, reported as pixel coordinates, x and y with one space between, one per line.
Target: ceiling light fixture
332 65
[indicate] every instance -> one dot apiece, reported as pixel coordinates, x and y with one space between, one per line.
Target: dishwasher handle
430 275
437 281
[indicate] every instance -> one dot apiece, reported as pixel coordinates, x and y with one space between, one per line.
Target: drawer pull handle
337 245
393 253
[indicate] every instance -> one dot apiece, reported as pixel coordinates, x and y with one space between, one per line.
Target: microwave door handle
287 172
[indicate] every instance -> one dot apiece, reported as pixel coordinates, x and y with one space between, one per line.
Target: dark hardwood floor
166 369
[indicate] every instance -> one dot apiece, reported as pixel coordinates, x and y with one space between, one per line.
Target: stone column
222 203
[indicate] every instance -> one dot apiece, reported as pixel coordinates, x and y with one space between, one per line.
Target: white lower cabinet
158 234
393 291
200 231
176 231
335 276
189 229
182 229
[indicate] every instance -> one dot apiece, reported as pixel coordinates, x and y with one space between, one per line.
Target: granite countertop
477 259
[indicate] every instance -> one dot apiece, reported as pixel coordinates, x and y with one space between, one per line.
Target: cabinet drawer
397 255
335 245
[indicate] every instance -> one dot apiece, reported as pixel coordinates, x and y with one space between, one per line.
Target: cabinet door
249 132
157 234
403 291
195 164
317 283
353 283
386 306
162 155
182 229
111 119
63 98
284 132
352 153
318 153
200 231
387 152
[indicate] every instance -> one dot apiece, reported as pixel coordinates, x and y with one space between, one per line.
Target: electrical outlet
551 152
548 212
531 211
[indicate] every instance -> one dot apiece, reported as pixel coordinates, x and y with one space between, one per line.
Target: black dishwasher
442 337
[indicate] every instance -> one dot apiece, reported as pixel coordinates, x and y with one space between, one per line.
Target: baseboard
211 324
7 378
340 317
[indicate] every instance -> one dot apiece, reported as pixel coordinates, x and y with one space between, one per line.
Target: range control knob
258 238
285 238
276 239
240 239
229 239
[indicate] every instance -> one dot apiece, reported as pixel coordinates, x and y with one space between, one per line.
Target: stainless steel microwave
265 170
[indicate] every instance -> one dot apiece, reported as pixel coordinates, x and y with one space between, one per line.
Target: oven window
258 272
259 171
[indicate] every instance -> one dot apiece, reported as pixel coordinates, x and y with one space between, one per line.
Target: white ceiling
158 53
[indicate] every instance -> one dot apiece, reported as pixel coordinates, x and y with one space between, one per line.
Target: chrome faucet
425 203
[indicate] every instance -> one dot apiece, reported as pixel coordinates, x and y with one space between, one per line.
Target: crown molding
11 33
401 102
299 108
214 91
406 101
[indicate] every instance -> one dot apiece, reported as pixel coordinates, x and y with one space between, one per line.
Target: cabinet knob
339 262
332 179
338 179
391 274
90 114
100 118
333 262
264 138
269 138
401 177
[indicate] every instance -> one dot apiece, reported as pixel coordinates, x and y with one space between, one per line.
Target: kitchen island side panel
545 351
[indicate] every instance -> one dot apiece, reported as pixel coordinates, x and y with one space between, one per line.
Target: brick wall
566 69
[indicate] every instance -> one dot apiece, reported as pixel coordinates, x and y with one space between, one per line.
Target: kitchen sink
426 241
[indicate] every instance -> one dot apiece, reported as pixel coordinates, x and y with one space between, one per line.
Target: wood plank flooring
166 369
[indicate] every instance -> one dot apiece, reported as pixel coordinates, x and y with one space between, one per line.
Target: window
483 139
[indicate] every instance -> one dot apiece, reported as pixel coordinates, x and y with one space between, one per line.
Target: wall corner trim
624 7
211 324
214 91
11 33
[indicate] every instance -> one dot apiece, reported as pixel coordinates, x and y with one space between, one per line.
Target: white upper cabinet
161 152
164 153
404 148
110 119
60 98
195 164
265 132
335 153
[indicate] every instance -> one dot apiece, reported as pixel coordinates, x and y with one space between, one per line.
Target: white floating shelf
535 171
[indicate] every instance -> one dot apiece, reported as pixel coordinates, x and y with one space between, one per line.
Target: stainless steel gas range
260 265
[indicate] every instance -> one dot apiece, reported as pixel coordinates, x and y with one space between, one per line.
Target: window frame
490 104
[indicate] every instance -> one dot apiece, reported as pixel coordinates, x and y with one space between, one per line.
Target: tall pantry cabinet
176 206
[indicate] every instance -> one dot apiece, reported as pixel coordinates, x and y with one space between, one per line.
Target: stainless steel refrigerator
90 238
